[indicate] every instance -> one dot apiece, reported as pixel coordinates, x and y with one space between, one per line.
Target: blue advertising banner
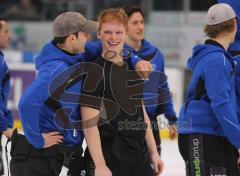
21 77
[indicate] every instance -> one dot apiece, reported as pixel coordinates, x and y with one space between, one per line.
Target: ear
98 34
71 37
126 36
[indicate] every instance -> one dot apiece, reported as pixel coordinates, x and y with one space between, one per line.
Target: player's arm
169 112
30 106
143 68
93 140
218 89
4 89
91 101
156 160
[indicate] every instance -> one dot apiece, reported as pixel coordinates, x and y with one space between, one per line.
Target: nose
141 25
113 36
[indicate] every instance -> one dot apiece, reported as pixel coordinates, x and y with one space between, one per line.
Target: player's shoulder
150 47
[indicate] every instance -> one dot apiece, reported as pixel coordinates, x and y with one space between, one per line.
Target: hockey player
114 148
210 105
6 119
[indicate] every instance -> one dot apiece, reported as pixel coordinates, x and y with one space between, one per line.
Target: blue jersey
39 105
210 105
6 119
152 54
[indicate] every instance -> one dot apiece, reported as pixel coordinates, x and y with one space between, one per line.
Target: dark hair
129 10
62 40
213 31
2 19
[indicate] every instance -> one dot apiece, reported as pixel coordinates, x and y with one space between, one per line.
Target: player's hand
52 138
238 160
8 132
102 170
157 164
172 131
144 68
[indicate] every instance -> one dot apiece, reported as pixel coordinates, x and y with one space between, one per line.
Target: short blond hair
110 15
213 31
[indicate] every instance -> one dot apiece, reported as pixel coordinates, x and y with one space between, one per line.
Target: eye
135 22
107 32
119 32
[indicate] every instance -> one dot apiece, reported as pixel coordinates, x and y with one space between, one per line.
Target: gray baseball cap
219 13
71 22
